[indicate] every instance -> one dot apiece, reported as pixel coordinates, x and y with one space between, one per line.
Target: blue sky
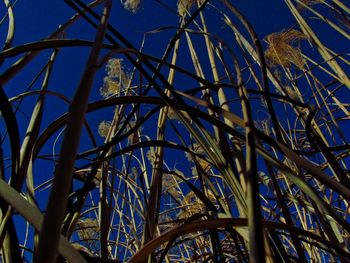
37 21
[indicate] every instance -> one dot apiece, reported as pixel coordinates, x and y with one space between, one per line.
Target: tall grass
227 147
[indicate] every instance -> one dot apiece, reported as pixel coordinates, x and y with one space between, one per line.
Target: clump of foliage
173 160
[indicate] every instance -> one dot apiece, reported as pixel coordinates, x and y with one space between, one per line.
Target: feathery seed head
110 87
87 229
282 50
169 185
116 78
151 156
184 6
103 128
131 5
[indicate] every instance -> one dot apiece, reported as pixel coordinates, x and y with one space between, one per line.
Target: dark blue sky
37 21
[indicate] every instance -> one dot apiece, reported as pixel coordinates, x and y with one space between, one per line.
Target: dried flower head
109 87
282 49
203 163
114 67
195 205
117 78
170 185
291 92
103 128
87 229
131 5
183 6
151 156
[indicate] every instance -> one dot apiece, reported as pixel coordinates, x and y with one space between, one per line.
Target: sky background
39 20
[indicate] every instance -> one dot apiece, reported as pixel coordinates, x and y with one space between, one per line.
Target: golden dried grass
283 49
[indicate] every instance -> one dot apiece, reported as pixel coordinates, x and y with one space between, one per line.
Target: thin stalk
49 237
